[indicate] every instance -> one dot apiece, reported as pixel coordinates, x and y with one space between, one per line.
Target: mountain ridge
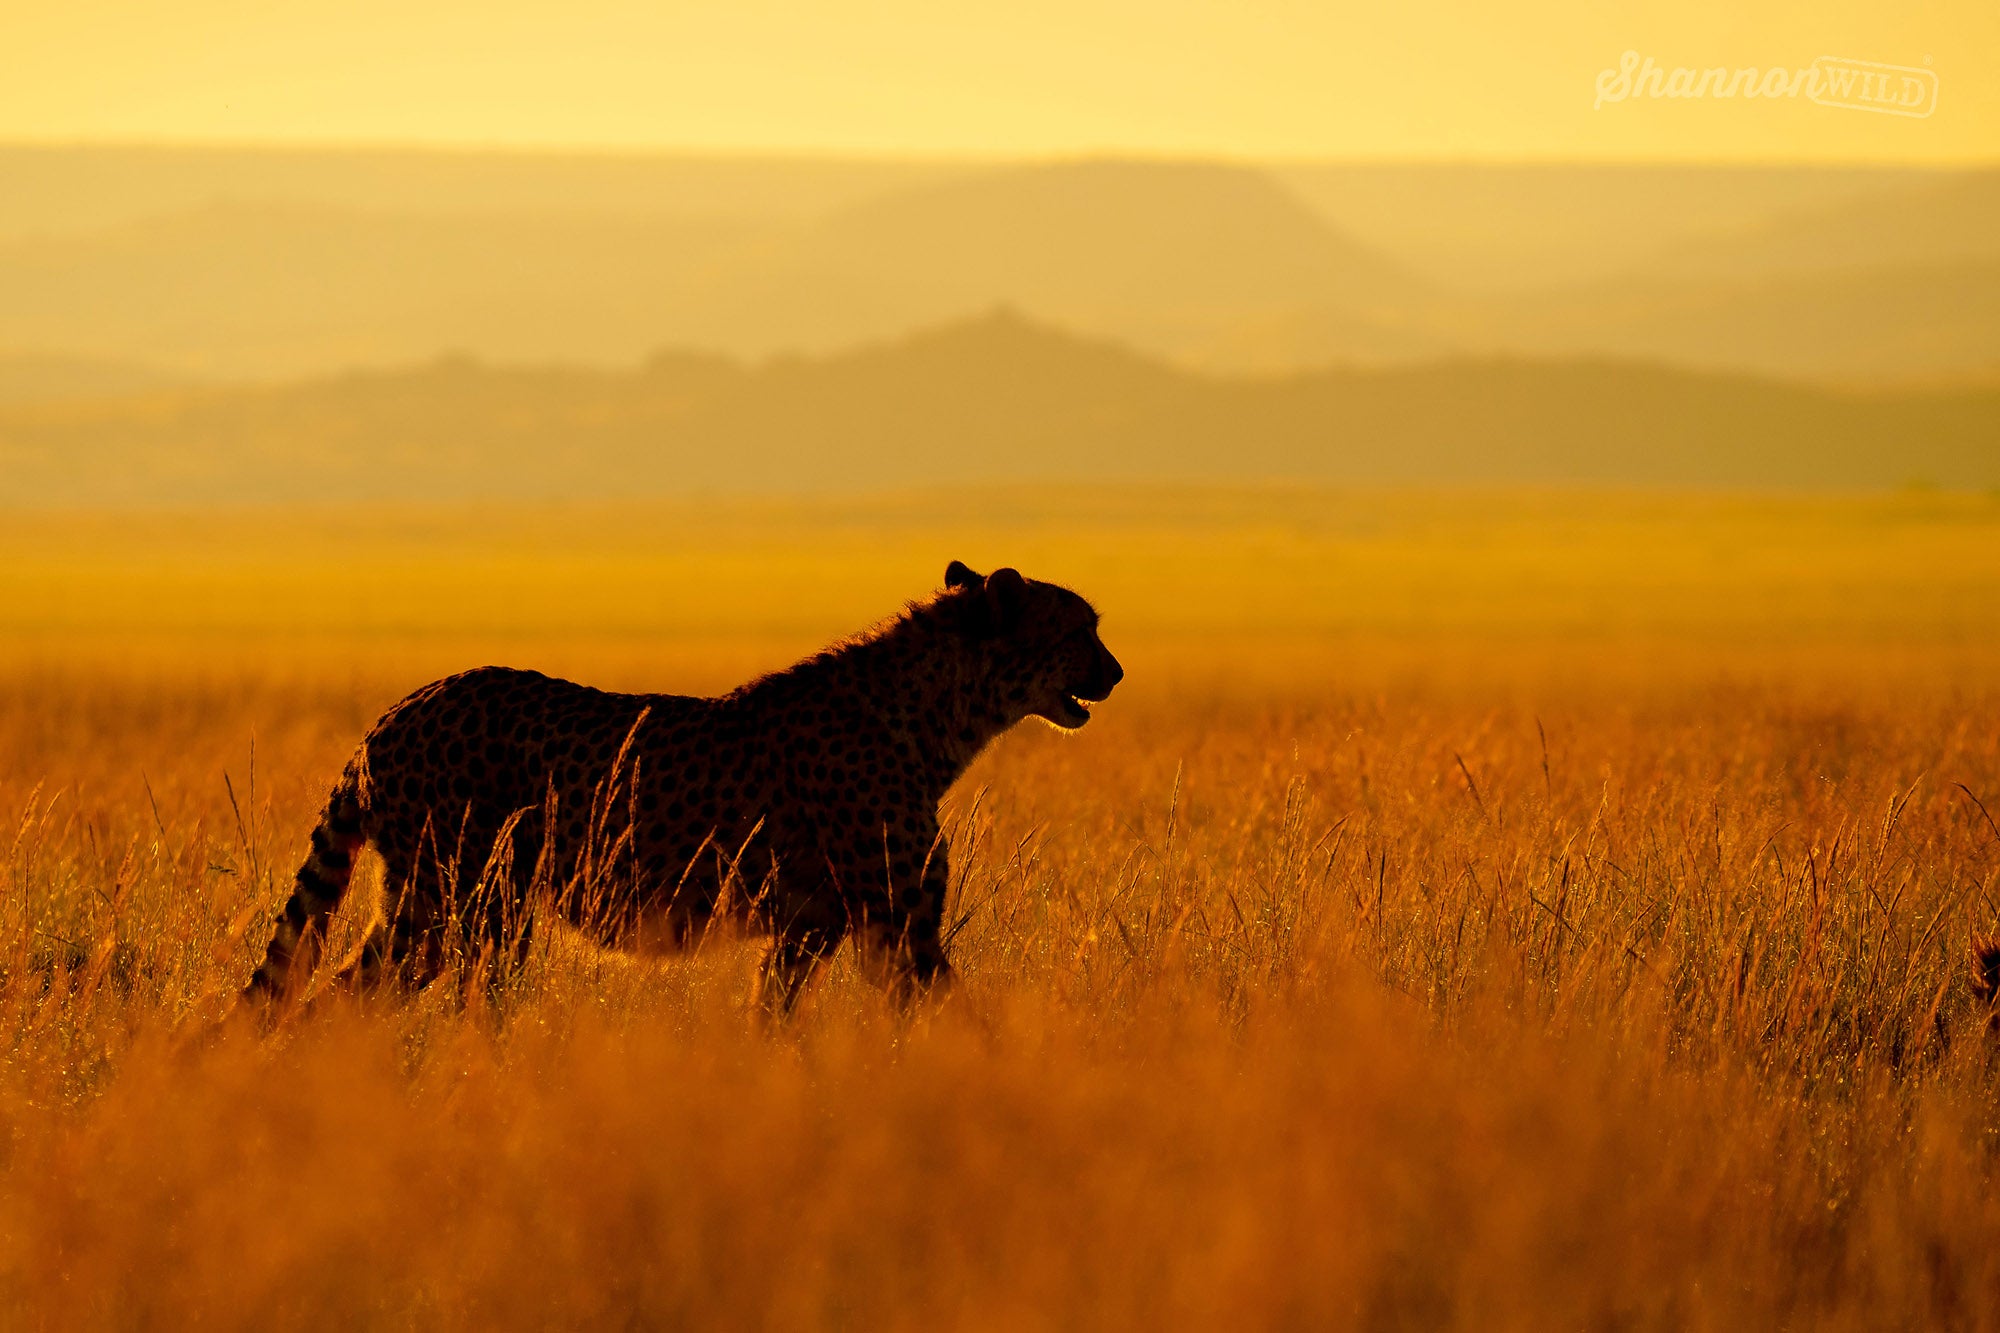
301 266
995 400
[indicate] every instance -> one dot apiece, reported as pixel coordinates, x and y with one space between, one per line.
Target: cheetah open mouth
1072 707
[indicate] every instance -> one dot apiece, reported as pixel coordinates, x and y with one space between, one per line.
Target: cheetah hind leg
490 920
395 956
410 950
406 949
787 968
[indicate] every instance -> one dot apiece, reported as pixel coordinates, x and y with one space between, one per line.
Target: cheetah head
1040 645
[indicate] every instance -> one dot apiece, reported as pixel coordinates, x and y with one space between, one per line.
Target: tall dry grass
1341 981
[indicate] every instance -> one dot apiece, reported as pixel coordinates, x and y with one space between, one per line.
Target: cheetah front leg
899 940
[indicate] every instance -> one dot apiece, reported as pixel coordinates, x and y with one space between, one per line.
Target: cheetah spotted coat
802 805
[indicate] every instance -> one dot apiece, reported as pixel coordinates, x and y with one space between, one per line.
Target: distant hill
1858 324
1924 224
996 399
232 264
301 263
1901 280
1171 256
1505 225
41 378
239 289
1119 238
1512 227
70 189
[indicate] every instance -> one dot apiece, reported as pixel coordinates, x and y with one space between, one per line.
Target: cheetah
801 806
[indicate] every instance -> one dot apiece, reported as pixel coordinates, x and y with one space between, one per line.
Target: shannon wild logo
1852 85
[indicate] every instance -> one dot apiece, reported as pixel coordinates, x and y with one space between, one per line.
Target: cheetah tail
318 888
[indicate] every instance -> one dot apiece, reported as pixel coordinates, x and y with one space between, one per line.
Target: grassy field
1502 911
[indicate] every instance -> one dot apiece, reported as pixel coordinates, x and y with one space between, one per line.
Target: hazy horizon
222 201
805 152
289 262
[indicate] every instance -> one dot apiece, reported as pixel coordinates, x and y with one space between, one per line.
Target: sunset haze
1254 80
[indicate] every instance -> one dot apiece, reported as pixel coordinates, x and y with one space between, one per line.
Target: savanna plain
1499 910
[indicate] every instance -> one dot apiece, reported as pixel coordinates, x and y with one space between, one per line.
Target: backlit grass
1473 911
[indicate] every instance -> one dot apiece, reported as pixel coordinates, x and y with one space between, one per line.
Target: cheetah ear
956 575
1006 590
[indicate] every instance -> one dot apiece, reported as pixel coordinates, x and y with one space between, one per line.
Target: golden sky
1247 78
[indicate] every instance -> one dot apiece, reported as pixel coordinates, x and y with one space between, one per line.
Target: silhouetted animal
803 804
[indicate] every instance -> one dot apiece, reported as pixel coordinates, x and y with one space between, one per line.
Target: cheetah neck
921 680
924 683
